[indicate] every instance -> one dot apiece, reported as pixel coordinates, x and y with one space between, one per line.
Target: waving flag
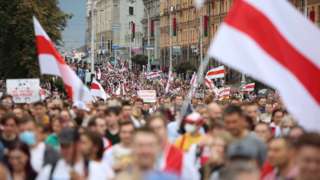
97 90
215 73
52 63
248 87
272 42
193 81
210 85
153 75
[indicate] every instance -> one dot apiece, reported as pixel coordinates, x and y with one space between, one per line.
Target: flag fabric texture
248 87
52 63
153 75
97 90
210 85
215 73
274 43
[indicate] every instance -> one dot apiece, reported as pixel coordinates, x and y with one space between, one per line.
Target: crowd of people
124 137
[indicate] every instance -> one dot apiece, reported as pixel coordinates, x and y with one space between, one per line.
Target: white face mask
190 128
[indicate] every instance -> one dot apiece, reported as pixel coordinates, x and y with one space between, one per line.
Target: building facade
152 12
117 27
190 25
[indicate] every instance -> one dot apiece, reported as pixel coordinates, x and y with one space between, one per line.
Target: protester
172 159
146 146
19 162
192 135
9 133
119 156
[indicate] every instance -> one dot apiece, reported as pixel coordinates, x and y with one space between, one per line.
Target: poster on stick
24 90
148 96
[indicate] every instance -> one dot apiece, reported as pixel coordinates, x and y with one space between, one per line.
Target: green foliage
18 57
140 59
184 67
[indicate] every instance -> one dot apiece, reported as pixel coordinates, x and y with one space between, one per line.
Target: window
131 11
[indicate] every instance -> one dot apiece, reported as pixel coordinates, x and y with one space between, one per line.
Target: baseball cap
68 136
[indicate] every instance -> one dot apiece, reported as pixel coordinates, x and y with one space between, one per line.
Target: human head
91 145
214 111
193 122
32 132
158 124
69 142
10 129
65 118
269 108
39 109
126 110
7 101
112 115
263 131
308 156
279 152
97 124
19 160
251 109
240 170
296 132
286 125
262 101
18 112
234 120
145 149
126 132
138 103
178 100
277 116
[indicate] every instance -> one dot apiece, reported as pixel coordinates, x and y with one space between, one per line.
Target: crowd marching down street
128 125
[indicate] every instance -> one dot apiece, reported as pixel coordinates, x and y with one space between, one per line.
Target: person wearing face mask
41 154
192 126
286 125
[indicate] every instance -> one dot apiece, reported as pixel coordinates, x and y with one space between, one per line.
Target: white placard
148 96
24 90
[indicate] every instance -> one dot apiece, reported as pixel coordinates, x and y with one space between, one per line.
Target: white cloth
37 156
115 154
97 170
61 171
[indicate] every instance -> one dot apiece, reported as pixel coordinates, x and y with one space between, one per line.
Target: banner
24 90
148 96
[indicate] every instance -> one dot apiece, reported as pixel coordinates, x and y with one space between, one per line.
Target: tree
18 57
184 67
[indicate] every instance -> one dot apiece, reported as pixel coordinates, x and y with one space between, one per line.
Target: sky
74 33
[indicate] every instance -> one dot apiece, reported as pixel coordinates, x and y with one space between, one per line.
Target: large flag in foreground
272 42
52 63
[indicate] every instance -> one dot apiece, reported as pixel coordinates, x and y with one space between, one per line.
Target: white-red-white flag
215 73
193 81
272 42
210 85
97 90
52 63
224 93
153 75
248 87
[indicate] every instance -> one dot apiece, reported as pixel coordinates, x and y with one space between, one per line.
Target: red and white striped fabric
272 42
109 66
224 93
97 90
248 87
210 85
215 73
153 75
98 74
52 63
170 79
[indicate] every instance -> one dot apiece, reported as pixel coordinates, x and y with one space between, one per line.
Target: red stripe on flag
46 47
258 27
216 72
94 86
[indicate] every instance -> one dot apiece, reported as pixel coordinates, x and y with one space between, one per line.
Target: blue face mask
28 137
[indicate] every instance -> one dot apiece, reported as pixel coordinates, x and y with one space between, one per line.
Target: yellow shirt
185 141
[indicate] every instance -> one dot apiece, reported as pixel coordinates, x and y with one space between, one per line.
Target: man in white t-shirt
119 155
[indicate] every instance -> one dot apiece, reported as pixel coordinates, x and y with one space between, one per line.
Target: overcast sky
74 34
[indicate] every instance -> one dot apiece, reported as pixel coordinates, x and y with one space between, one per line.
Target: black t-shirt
113 138
7 143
